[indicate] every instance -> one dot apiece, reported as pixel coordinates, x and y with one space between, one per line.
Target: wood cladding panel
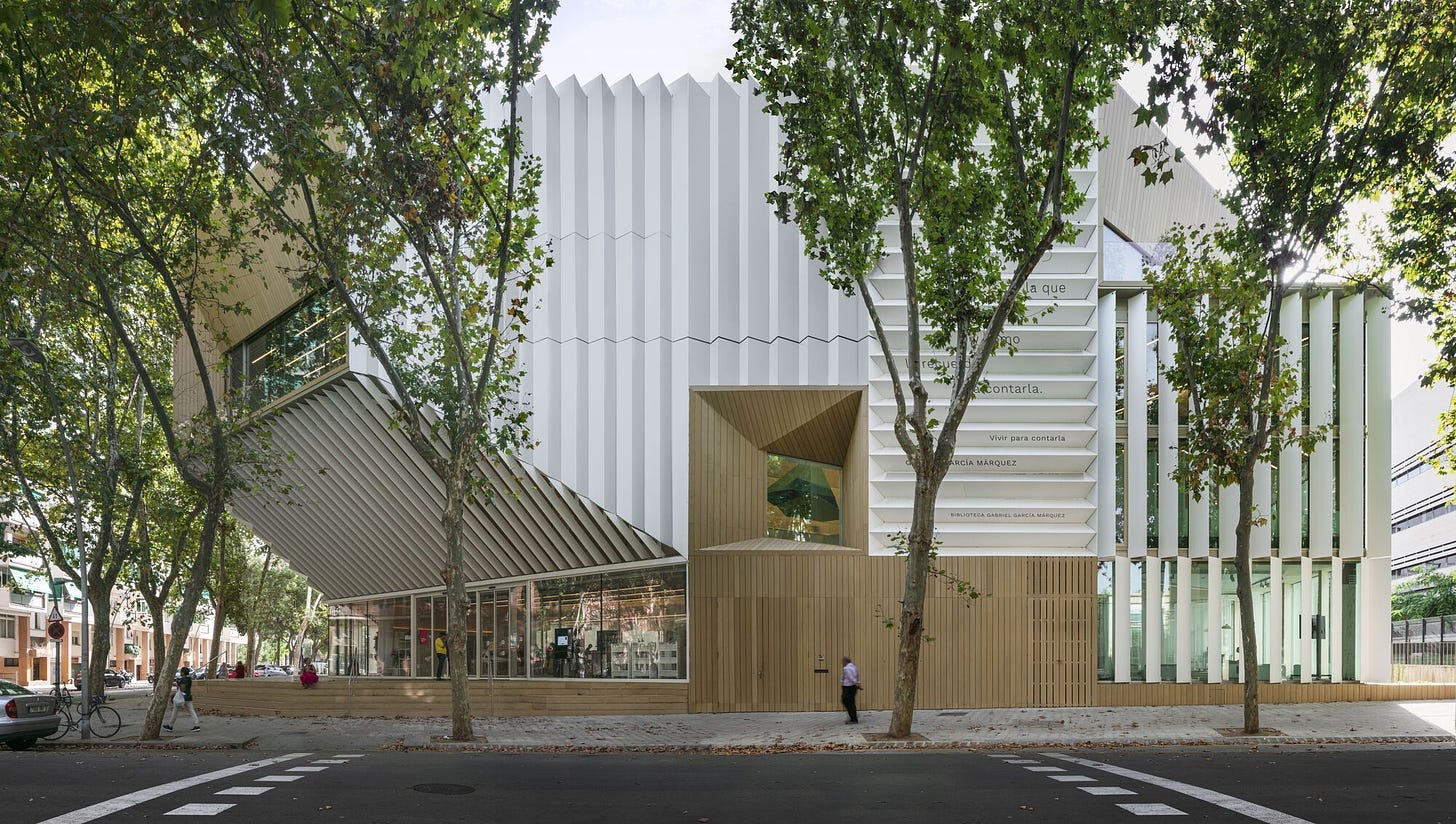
426 698
1025 642
732 432
1162 695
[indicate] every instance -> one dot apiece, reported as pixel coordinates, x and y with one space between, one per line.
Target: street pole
56 659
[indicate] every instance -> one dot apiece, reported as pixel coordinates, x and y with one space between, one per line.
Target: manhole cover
443 789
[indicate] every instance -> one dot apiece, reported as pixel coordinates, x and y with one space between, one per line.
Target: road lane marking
1107 790
1046 769
307 769
122 802
1228 802
200 809
996 755
243 791
1023 761
329 761
279 778
1151 809
1071 778
351 755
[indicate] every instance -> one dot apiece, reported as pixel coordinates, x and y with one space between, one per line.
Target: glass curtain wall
1105 671
1168 570
629 624
1137 652
1198 621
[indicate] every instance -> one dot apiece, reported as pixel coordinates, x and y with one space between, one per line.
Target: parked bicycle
62 694
103 720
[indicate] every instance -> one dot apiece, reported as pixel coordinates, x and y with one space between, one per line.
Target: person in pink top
849 688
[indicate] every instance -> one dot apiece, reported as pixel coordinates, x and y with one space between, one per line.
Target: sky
641 38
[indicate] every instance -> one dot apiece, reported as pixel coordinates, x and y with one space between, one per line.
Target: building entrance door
430 623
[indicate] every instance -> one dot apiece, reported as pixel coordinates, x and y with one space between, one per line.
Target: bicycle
62 694
104 720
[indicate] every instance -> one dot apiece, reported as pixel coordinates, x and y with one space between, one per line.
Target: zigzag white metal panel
670 272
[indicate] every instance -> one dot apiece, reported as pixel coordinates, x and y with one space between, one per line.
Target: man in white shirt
849 689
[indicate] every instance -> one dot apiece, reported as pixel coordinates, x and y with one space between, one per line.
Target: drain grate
443 789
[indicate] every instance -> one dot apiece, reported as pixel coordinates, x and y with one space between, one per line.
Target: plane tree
1317 105
959 124
382 148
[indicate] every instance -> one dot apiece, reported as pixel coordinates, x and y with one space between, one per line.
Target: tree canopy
956 126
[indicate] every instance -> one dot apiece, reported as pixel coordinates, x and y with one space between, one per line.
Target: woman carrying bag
182 697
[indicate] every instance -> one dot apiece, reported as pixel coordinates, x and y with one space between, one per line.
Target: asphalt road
1273 785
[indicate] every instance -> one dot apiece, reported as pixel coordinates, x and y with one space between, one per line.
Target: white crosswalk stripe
1046 769
243 791
200 809
1073 778
1107 790
1228 802
1151 809
307 769
279 778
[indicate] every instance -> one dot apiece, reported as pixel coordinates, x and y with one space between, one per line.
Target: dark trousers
441 660
847 696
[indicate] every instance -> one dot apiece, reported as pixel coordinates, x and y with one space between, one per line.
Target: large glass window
1120 493
370 637
302 345
1170 619
629 624
803 500
1320 619
1137 650
1105 670
1154 485
1230 636
619 625
1293 579
503 632
1199 621
1350 618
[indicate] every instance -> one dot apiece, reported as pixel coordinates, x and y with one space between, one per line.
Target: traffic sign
56 630
55 615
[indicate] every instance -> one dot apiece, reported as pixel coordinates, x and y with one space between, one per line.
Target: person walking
849 688
442 657
182 698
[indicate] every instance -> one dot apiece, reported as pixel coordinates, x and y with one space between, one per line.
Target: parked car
27 718
268 671
112 678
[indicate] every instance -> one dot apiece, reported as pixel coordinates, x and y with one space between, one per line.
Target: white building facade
686 363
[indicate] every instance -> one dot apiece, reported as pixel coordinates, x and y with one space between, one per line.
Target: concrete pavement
1339 723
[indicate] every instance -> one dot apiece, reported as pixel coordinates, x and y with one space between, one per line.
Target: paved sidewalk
1342 723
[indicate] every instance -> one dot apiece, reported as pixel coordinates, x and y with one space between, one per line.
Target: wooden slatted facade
427 698
769 627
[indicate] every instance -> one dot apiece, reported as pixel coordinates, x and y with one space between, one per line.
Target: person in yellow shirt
442 656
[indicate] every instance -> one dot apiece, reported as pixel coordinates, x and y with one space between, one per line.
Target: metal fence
1424 641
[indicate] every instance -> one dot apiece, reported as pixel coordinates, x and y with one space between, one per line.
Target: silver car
27 718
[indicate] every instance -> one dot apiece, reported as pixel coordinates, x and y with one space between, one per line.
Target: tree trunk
1249 654
912 608
100 644
461 720
218 616
187 610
